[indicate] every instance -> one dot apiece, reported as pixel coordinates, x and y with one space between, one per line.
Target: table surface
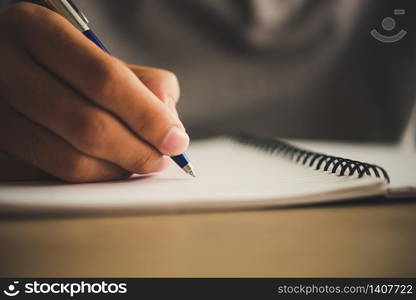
367 239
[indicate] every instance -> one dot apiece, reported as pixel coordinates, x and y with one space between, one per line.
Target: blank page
229 176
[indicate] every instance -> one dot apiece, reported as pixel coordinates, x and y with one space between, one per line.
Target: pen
76 17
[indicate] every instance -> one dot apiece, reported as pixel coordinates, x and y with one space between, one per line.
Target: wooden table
370 239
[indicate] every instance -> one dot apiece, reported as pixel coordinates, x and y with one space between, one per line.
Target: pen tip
189 170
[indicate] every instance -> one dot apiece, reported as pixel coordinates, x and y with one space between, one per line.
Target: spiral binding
319 161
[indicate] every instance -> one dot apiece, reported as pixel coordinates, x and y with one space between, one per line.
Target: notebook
237 172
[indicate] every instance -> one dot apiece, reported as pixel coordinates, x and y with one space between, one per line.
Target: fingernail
175 142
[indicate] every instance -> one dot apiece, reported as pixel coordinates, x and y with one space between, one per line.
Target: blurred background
289 68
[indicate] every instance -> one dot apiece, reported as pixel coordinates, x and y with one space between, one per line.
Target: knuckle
174 83
150 120
10 86
146 162
81 169
107 78
14 13
16 17
32 153
163 74
4 85
92 130
25 17
162 82
170 76
76 170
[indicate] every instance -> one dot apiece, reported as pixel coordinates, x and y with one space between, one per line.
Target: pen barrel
93 38
181 160
69 12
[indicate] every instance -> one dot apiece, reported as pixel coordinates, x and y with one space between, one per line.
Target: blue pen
68 10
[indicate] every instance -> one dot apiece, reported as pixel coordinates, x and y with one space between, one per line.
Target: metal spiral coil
319 161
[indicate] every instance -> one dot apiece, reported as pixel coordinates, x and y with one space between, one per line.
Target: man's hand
71 111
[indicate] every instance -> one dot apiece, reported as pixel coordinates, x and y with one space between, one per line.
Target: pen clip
69 11
79 12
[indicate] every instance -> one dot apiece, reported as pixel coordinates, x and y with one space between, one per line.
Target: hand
70 111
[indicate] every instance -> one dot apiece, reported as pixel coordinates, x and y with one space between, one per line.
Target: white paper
229 176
